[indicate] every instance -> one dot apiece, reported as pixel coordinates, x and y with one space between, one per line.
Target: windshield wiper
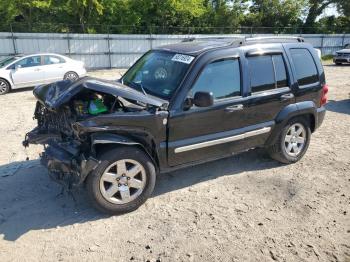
143 90
136 85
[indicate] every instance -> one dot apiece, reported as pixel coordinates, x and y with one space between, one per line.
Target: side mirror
188 103
203 99
18 67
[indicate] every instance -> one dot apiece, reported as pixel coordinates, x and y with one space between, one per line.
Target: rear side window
306 71
51 60
221 77
267 72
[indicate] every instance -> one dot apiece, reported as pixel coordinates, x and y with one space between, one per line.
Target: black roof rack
200 44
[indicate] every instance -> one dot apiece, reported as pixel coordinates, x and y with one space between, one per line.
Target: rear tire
293 141
71 76
123 181
4 86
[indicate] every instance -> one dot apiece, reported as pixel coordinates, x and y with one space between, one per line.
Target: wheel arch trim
306 108
110 139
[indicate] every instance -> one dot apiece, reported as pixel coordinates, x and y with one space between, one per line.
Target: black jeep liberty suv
179 105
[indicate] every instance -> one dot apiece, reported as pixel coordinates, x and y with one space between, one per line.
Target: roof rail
274 39
214 38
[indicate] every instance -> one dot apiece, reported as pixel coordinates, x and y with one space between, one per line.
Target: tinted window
30 61
50 60
280 70
222 78
305 67
262 76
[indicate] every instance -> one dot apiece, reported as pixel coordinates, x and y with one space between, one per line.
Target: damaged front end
61 109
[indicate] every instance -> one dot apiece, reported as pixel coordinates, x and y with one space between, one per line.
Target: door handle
37 69
286 97
234 108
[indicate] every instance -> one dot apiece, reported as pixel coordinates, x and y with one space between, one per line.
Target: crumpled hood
56 94
345 51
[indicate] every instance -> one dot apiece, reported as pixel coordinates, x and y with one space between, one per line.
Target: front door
200 133
27 72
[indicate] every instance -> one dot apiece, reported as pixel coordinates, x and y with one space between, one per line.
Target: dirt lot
244 208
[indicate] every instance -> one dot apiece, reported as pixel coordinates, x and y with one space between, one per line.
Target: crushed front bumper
63 160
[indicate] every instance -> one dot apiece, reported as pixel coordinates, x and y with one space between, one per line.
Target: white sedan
32 70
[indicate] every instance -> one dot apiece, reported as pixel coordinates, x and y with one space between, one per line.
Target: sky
332 10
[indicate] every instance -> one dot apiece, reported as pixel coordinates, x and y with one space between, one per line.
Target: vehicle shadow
31 201
342 106
24 89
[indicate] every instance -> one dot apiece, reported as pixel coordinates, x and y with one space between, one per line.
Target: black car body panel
172 134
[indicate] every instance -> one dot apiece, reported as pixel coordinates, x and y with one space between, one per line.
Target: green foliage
327 57
173 16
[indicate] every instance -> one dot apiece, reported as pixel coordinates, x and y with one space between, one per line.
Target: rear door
270 88
28 71
53 68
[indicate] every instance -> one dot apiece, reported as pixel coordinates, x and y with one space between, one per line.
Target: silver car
32 70
342 56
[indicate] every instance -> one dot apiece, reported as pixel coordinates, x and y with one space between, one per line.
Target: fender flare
109 138
287 113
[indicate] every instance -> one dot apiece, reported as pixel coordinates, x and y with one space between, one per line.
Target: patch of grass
327 57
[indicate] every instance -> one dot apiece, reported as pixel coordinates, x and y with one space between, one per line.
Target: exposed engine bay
83 106
70 114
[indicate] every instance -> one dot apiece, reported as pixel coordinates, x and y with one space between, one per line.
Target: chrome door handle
286 96
234 108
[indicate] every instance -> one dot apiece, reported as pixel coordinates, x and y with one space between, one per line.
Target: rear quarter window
305 67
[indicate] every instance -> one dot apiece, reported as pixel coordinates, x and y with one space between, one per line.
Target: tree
316 7
83 11
27 11
275 14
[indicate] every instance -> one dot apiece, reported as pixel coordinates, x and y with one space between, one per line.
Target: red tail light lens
323 100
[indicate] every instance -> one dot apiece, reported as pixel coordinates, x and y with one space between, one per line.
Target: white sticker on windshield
187 59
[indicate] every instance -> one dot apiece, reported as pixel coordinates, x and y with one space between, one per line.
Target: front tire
123 181
293 141
4 87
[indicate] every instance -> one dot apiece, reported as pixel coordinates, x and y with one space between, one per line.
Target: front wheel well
101 148
8 82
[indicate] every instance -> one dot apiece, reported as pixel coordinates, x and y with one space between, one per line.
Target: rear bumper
320 114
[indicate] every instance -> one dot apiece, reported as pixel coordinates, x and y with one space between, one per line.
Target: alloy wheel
123 181
71 76
3 87
295 139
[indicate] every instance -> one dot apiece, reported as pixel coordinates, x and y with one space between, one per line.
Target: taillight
323 99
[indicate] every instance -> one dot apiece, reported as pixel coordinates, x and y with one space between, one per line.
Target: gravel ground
243 208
